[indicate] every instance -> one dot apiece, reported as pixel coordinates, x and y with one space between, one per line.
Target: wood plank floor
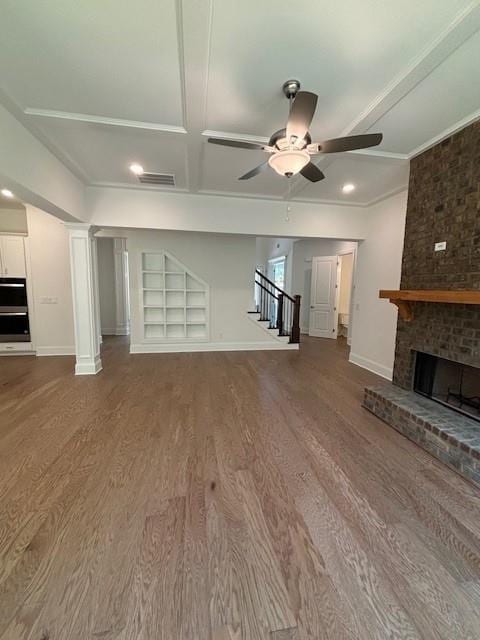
225 496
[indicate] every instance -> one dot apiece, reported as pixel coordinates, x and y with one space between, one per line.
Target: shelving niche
174 300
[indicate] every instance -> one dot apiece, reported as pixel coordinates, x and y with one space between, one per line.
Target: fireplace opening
451 383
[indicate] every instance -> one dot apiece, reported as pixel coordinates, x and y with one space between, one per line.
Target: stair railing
277 307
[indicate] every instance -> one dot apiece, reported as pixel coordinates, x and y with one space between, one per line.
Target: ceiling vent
162 179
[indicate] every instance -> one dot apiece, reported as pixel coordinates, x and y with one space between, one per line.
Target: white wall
379 261
225 262
146 209
13 221
303 252
106 286
53 330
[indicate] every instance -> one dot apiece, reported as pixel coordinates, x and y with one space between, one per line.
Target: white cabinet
12 257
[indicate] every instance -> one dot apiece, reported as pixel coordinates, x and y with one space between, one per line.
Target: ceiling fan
291 148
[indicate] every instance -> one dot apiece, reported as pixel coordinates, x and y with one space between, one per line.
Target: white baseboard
212 346
371 365
89 366
55 351
115 331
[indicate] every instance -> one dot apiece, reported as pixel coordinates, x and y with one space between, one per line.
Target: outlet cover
440 246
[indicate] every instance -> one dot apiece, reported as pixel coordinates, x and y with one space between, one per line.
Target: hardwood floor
225 496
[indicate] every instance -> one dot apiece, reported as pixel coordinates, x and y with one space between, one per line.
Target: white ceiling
106 83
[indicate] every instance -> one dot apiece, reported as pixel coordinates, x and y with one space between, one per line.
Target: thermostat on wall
440 246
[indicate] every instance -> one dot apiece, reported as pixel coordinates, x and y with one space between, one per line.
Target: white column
121 287
96 291
87 348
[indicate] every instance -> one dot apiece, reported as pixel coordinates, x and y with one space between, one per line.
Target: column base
88 367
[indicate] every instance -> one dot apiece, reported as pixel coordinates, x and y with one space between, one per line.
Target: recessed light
348 188
7 193
136 168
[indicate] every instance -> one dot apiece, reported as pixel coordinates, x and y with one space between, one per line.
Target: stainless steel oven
14 322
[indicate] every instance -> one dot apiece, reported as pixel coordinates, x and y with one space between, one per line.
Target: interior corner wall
379 262
48 242
303 252
106 286
225 262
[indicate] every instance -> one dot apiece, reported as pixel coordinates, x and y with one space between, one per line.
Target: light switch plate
440 246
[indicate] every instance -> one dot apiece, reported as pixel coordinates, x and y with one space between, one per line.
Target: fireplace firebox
453 384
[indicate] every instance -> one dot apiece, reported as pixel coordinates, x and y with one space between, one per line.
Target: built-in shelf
174 300
404 298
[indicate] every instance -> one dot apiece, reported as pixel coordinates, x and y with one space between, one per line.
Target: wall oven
14 322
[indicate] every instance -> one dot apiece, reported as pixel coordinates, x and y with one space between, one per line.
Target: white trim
389 194
89 367
138 187
116 122
277 259
55 351
371 365
372 153
109 331
446 133
212 346
235 137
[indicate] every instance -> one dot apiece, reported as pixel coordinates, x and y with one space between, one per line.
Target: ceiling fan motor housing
291 88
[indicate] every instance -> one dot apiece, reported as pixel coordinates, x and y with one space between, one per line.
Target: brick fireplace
443 206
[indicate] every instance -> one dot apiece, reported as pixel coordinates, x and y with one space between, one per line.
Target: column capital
79 228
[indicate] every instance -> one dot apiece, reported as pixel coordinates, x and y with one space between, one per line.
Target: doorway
345 294
330 314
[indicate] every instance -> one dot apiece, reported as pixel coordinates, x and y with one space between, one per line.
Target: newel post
280 314
296 320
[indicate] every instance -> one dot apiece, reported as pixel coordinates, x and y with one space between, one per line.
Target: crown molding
114 122
446 133
137 187
387 195
386 155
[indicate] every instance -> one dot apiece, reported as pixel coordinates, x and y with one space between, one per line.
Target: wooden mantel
404 298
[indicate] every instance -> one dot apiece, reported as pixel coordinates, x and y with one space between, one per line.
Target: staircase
277 311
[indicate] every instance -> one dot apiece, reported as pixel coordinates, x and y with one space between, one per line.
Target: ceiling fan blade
254 172
311 172
350 143
236 143
301 114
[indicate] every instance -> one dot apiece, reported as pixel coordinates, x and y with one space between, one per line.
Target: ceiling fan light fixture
289 162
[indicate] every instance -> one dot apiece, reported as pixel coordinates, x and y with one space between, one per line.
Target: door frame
335 301
345 252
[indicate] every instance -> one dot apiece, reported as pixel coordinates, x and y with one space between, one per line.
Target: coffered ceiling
104 84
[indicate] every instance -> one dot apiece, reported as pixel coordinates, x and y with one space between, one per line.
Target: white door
323 297
13 256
